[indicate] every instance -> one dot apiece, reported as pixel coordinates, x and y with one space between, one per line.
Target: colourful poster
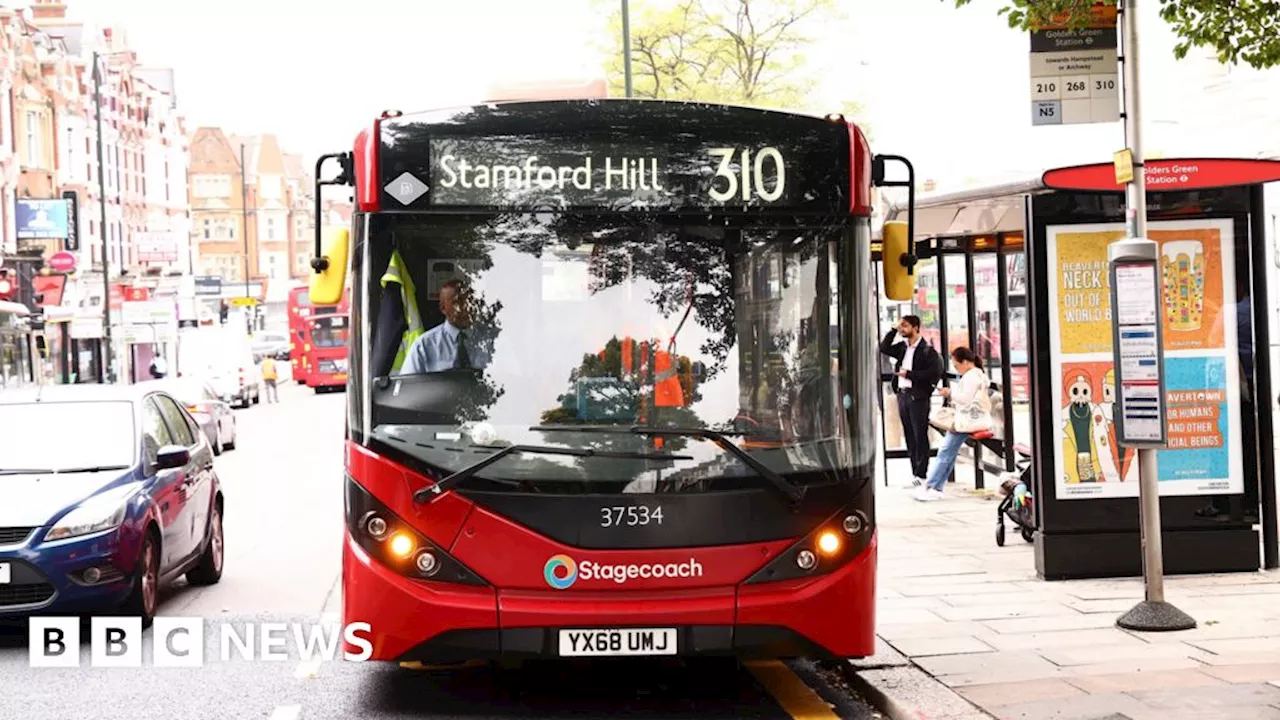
1203 455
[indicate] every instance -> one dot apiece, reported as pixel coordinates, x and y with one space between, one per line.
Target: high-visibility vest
667 391
396 273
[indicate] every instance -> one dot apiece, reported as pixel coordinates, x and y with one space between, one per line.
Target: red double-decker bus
611 381
324 343
301 309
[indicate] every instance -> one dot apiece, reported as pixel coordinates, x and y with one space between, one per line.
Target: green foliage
1238 31
730 51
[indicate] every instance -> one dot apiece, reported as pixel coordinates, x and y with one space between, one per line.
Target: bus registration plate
628 641
4 574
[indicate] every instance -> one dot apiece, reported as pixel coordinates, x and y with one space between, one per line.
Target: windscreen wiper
792 493
470 470
90 468
26 471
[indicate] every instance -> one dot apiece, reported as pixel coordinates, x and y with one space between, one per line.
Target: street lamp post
244 213
108 368
626 46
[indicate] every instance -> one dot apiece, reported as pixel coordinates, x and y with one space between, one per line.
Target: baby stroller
1016 506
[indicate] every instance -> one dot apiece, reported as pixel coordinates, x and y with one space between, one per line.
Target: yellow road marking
796 698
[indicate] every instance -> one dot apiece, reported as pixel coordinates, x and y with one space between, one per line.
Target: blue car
106 492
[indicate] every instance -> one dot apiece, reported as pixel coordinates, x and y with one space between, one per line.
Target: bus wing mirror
328 282
898 261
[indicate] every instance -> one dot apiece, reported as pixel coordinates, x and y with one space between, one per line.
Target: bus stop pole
1153 613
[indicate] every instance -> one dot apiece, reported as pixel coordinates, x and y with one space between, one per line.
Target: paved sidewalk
976 617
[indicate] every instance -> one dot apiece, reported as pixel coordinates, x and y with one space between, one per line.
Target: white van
223 357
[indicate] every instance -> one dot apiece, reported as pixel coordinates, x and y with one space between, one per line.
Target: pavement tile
1211 698
903 631
955 645
1002 611
988 668
1239 645
1251 673
1129 682
1051 623
1229 629
891 616
997 694
1116 706
1091 655
1098 638
1119 667
1018 597
1256 658
912 588
1116 607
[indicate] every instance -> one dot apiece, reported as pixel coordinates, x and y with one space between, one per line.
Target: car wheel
145 595
257 397
217 443
209 570
231 444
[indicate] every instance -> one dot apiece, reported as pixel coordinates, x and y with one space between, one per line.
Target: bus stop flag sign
1074 75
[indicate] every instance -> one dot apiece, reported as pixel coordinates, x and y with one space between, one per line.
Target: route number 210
749 180
630 516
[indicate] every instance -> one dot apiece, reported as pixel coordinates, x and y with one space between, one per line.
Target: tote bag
976 416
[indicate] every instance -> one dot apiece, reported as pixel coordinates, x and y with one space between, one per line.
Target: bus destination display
547 173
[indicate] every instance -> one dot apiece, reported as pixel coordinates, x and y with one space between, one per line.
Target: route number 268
749 180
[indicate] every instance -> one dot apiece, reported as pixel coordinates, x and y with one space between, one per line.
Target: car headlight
98 513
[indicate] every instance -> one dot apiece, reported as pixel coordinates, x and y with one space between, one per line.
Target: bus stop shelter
1018 272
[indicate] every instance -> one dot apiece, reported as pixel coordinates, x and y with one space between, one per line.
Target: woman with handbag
972 404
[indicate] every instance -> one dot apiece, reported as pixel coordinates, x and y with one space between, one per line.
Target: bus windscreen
532 325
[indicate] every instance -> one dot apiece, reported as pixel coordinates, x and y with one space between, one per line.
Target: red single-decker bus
612 381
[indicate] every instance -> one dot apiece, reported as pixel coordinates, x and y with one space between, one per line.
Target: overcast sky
947 87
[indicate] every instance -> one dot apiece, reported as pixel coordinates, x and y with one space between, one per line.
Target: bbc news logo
55 642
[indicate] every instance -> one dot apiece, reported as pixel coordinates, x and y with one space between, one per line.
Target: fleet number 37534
630 515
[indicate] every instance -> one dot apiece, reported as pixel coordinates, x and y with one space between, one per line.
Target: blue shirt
437 349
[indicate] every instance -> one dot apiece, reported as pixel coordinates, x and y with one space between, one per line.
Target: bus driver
452 344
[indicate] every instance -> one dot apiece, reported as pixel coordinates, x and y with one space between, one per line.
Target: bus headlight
395 544
853 523
831 545
828 543
427 563
375 526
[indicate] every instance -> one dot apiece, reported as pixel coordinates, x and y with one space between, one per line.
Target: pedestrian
917 371
159 368
972 405
269 377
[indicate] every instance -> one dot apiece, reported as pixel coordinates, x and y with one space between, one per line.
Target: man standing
452 344
916 372
269 377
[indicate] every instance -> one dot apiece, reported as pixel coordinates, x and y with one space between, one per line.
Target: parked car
211 413
223 356
106 493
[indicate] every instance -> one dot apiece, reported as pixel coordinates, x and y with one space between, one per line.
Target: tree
729 51
1247 31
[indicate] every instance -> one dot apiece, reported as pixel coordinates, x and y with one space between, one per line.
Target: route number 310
749 181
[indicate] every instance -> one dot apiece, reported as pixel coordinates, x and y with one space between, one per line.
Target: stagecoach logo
562 571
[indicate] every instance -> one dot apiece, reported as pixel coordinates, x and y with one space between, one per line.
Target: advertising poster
1204 455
